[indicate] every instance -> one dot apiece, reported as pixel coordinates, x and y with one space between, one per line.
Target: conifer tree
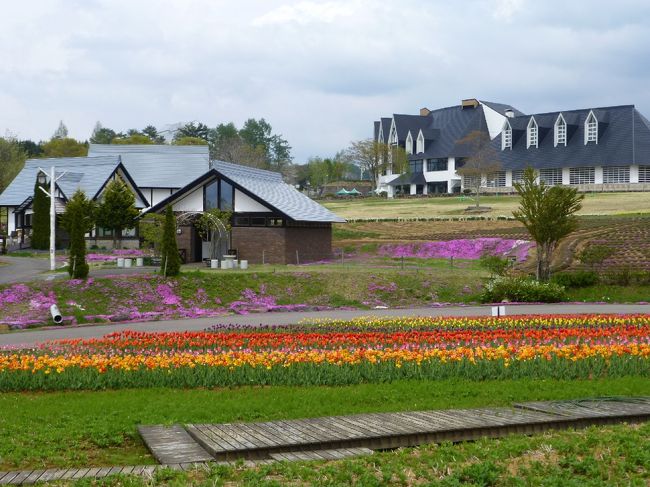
78 219
171 261
41 218
117 210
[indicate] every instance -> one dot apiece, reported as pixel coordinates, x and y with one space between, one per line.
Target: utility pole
52 194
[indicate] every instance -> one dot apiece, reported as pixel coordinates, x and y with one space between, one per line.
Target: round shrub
522 290
576 279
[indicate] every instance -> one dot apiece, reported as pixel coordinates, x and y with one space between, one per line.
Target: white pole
52 220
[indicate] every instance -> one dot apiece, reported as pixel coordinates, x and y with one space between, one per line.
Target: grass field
67 429
593 204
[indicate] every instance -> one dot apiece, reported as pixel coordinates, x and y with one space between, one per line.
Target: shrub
494 264
595 255
576 279
522 290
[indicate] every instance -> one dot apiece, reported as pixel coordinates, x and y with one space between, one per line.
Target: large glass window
644 174
437 164
616 174
496 179
416 166
210 196
552 177
437 187
582 175
226 196
518 176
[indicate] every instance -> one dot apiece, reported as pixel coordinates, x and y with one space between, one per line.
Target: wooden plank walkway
392 430
170 445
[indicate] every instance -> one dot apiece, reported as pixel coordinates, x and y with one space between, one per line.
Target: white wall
494 121
156 195
448 175
11 227
634 174
243 202
190 201
566 176
598 175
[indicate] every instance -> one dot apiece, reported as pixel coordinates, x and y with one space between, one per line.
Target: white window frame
532 134
506 136
644 174
420 143
408 145
582 175
518 175
591 128
496 179
551 176
469 181
616 174
392 138
560 131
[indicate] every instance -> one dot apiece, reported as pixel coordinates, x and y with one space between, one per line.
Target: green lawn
68 429
610 294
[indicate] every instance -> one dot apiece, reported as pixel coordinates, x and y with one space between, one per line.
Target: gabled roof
501 108
623 139
158 166
266 187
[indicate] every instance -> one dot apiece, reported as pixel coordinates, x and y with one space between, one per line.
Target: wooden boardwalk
336 437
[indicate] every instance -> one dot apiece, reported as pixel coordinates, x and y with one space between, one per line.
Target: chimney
424 112
469 103
509 113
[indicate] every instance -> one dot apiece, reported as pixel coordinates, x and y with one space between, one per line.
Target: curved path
31 337
22 269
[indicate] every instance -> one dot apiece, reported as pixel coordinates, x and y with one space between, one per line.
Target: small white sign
498 310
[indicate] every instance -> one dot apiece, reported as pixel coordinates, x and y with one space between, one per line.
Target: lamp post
52 194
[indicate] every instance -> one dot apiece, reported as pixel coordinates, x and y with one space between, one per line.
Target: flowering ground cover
336 353
114 254
150 297
460 249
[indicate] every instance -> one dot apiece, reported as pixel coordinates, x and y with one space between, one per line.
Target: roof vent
510 112
424 112
469 103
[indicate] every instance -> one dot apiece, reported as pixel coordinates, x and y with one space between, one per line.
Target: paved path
31 337
22 269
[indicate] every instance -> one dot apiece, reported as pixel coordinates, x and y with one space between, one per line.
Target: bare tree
483 160
375 157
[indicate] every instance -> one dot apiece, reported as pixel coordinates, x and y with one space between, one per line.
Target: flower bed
333 352
113 255
459 249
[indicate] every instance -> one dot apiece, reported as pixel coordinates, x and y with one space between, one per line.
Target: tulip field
341 352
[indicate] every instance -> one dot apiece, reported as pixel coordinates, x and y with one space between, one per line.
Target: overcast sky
319 72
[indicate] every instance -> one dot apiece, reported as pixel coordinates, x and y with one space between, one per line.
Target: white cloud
306 13
506 9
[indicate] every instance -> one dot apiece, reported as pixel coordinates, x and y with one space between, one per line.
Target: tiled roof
87 173
623 139
158 166
270 188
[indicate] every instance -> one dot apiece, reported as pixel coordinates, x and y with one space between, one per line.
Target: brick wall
279 245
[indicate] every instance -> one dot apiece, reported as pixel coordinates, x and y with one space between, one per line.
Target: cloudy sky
319 71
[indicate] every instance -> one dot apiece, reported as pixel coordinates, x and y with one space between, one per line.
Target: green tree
40 239
193 129
548 213
189 141
65 147
12 160
375 157
31 148
102 135
171 261
117 209
152 132
151 230
595 254
258 134
134 139
78 219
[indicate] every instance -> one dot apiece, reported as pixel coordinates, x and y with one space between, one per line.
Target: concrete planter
128 262
139 262
243 264
120 262
214 263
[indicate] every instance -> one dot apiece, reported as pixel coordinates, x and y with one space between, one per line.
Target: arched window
420 143
532 134
506 136
560 131
591 128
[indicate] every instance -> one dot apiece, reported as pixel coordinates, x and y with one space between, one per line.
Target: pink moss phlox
458 249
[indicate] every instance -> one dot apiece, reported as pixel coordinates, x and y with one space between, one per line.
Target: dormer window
392 138
560 131
532 134
591 129
506 136
408 147
420 143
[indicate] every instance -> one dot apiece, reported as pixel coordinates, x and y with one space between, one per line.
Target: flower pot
120 262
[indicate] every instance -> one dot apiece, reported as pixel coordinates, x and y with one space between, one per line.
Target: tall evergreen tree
41 218
171 261
78 219
61 132
117 209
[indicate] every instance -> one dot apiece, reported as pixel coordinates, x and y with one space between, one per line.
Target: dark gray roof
501 107
404 123
376 131
623 139
86 173
408 178
158 166
269 187
385 127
